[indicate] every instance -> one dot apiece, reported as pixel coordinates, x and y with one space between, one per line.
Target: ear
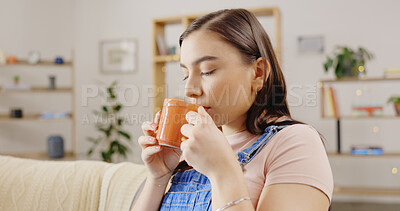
261 70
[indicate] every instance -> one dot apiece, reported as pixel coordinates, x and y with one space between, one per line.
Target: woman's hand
206 148
160 161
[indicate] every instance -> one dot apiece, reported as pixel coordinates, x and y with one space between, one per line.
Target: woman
245 151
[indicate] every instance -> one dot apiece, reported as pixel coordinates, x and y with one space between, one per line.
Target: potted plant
396 101
16 79
113 138
347 62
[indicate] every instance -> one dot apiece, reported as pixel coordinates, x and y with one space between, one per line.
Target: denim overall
191 190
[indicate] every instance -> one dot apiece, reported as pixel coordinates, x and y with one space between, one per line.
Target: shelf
166 58
360 79
176 19
363 117
68 156
41 63
366 191
385 155
271 11
38 90
31 117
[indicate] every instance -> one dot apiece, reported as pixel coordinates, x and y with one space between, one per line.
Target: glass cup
173 117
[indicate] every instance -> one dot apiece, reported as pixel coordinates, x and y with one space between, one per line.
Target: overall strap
249 153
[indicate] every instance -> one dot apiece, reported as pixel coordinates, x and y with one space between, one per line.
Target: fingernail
154 126
152 139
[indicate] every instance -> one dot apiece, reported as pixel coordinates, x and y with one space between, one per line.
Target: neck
235 126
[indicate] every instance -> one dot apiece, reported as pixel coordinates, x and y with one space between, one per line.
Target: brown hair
242 30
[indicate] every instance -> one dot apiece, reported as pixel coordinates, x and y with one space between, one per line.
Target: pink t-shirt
295 154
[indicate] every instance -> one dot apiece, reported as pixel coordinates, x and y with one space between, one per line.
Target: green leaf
90 152
328 64
117 107
125 134
119 121
365 54
104 156
106 131
122 150
394 99
114 144
107 155
110 91
105 108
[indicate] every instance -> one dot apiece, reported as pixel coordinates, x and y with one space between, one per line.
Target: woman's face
217 78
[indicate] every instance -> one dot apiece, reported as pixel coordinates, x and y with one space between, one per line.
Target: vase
397 108
55 146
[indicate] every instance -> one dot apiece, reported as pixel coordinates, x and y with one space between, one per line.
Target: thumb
203 113
206 116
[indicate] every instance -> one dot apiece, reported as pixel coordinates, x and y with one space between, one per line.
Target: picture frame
118 56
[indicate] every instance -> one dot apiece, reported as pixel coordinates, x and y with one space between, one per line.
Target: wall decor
118 56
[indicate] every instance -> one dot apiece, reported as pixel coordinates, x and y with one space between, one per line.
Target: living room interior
60 60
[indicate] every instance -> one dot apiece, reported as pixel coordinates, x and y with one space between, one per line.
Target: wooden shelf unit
366 191
5 118
321 86
338 190
384 155
365 79
41 63
38 90
32 117
159 61
363 117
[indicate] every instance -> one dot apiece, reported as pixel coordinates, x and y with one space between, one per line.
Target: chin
219 119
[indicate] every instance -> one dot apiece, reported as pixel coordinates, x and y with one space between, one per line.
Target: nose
193 87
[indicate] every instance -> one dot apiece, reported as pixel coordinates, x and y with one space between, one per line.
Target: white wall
46 26
368 23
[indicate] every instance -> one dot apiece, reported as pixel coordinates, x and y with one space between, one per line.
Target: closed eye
207 73
202 74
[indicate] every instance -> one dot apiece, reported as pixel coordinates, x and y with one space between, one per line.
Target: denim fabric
191 190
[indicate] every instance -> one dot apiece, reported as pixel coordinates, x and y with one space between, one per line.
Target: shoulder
297 155
296 142
298 134
299 129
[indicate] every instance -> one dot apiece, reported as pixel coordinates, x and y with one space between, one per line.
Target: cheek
229 100
229 92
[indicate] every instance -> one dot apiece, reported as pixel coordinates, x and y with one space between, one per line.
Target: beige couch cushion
67 185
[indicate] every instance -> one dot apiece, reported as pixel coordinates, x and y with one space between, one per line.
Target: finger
203 113
186 130
146 141
193 118
157 117
183 145
184 138
149 152
149 128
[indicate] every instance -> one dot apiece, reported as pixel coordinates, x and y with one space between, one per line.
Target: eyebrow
201 59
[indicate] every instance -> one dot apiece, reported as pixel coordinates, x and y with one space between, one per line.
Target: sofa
27 184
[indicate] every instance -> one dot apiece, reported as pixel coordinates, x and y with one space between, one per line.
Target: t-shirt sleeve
298 156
